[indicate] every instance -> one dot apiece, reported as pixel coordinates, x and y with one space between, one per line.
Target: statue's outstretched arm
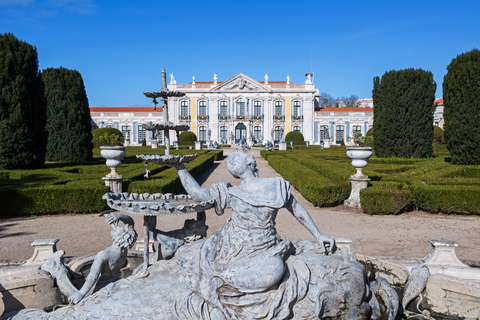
117 216
92 278
302 215
191 185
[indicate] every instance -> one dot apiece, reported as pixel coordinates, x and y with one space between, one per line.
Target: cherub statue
107 263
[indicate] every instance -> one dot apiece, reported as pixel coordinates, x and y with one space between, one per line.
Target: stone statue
172 79
244 270
107 263
288 79
215 78
193 80
266 78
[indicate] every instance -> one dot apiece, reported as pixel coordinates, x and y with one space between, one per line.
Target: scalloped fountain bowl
166 160
155 204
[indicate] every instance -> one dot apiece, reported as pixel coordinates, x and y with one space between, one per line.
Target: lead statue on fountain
245 270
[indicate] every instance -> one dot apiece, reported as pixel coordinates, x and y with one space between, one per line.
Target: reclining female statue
245 270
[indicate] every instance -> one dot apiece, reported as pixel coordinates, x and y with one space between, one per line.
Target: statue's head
238 162
124 236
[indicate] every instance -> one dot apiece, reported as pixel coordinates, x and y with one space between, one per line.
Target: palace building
242 108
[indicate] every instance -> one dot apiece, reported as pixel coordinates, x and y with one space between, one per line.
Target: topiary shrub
403 107
437 134
461 101
369 132
295 136
187 138
107 137
144 143
384 201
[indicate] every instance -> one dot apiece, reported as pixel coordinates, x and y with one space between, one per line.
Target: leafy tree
295 136
68 116
403 113
187 137
461 103
22 106
108 137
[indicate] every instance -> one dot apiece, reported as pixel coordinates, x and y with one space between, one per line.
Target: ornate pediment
241 82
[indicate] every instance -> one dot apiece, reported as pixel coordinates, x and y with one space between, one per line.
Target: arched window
184 109
278 134
223 134
223 108
278 109
202 108
202 134
257 133
324 133
257 109
297 128
240 107
297 109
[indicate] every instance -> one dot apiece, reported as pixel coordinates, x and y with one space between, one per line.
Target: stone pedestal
326 143
282 145
198 145
359 182
115 183
154 144
42 249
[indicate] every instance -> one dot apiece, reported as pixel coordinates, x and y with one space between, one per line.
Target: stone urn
359 156
114 156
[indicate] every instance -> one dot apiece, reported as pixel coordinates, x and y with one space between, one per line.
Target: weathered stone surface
42 249
452 296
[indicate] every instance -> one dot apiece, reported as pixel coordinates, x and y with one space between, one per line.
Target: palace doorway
240 133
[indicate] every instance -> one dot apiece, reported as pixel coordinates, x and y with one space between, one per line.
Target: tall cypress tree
68 116
403 113
22 106
461 103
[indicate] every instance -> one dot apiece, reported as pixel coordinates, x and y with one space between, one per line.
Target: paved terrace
402 235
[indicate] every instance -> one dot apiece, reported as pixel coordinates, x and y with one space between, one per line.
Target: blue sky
120 47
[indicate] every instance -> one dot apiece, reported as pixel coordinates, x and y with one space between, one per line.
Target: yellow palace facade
243 109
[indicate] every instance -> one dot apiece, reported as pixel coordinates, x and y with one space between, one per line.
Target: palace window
297 128
339 134
126 132
278 108
324 133
223 134
223 108
184 109
202 108
257 133
357 129
277 134
142 134
297 109
240 107
202 134
257 108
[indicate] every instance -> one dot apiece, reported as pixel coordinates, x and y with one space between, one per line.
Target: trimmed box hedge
397 184
78 188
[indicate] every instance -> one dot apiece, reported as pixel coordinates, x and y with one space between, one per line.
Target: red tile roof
346 110
125 109
439 101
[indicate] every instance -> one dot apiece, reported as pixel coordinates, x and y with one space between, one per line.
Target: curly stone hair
126 238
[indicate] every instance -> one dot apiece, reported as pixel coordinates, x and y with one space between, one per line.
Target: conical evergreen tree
461 103
403 113
68 116
22 106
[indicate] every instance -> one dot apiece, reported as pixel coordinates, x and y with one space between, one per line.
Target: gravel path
402 235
